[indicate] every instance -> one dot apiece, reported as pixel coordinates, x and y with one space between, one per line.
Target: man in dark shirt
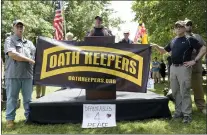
197 79
99 29
126 38
181 48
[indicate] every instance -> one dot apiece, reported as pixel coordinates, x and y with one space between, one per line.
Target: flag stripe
58 22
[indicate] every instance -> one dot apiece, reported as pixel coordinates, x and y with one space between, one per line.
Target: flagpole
64 19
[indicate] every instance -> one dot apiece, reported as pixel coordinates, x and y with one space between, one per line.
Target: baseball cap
98 17
126 32
17 22
188 21
181 23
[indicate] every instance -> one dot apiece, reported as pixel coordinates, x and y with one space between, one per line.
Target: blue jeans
13 87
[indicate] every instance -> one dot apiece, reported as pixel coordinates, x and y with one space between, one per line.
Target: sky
124 11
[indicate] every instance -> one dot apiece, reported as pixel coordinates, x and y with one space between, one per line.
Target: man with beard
197 78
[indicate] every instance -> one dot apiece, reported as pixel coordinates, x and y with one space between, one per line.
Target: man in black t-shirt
181 48
99 29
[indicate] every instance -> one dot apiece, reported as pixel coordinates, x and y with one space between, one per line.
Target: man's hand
32 61
189 63
19 57
158 48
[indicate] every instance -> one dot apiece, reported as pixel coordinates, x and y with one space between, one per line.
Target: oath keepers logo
120 63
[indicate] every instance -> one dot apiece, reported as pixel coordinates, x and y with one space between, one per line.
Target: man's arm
19 57
201 53
10 49
160 49
91 32
153 65
105 31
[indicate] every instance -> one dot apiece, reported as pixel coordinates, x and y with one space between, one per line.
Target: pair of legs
40 91
180 83
156 76
197 80
13 87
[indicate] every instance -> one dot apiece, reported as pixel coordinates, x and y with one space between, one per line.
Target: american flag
58 21
138 34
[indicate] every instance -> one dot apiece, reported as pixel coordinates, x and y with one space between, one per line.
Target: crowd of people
158 70
20 59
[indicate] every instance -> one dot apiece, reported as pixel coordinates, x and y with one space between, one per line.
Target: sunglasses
178 26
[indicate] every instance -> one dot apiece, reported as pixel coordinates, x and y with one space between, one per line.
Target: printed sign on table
99 115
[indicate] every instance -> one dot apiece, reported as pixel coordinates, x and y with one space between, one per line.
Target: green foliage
36 15
80 16
160 16
39 15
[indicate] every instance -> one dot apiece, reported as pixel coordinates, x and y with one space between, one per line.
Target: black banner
120 66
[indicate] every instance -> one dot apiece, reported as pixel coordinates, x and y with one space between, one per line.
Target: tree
160 16
79 16
38 17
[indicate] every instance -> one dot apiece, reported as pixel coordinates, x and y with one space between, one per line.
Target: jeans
13 86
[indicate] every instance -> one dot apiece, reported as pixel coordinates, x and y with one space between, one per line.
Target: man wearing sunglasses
181 48
197 78
19 61
126 38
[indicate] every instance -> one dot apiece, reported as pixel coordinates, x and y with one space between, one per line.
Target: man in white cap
19 61
126 38
197 78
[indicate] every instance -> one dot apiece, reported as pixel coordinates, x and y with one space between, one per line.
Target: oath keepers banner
120 66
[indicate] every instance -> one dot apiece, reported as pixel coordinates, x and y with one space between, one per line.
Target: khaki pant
40 90
197 87
156 75
180 83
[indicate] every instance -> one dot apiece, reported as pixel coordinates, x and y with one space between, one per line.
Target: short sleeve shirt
157 64
200 40
18 69
182 48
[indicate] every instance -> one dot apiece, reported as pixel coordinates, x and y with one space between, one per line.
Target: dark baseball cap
181 23
98 17
18 22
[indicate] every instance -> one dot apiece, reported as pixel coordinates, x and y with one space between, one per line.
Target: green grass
152 126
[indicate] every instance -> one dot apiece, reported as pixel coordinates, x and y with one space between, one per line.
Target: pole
64 23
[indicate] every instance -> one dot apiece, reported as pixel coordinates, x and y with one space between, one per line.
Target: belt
177 65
